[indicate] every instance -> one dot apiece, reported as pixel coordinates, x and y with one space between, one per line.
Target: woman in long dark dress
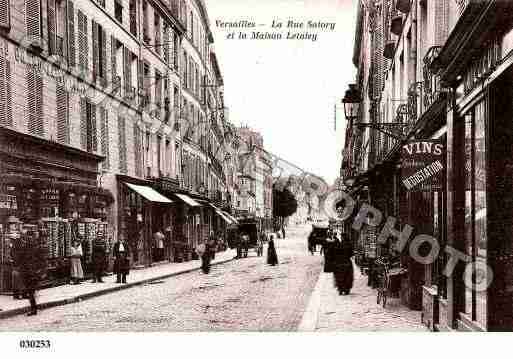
272 256
329 253
343 266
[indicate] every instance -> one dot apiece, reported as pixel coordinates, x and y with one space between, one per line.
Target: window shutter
51 20
70 11
83 123
33 20
140 80
137 151
62 99
96 57
82 44
5 90
35 102
103 51
122 145
5 14
93 127
104 137
127 75
166 45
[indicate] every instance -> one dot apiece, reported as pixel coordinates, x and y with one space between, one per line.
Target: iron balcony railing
432 88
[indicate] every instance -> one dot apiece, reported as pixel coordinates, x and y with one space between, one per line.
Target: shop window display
60 210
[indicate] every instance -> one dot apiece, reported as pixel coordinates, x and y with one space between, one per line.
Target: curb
311 315
85 296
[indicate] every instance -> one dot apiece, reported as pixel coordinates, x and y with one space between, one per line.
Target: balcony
432 88
116 85
130 93
168 183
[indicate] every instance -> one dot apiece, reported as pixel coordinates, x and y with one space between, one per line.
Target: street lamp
351 101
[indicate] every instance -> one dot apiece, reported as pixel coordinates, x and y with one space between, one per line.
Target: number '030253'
35 344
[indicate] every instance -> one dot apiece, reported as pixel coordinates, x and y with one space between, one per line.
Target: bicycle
384 277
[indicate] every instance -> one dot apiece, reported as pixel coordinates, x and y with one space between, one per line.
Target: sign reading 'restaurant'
422 165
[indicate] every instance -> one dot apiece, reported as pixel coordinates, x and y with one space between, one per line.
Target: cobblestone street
241 295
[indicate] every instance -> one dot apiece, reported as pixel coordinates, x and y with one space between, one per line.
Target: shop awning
187 200
149 193
233 219
223 215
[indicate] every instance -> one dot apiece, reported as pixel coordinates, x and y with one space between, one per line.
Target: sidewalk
358 311
66 294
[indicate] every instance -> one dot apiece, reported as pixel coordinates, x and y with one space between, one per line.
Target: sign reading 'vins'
422 165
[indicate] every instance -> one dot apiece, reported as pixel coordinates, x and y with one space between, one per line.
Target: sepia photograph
261 167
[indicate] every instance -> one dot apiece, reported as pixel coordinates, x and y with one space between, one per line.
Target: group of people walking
337 260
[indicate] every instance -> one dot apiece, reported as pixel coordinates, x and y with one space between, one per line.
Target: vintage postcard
313 166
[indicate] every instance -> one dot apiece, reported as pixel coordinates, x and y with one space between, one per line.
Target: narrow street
242 295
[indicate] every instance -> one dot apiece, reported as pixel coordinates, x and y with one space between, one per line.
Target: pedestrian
204 253
343 267
238 243
158 246
212 245
18 286
32 263
99 256
121 253
76 271
328 250
272 256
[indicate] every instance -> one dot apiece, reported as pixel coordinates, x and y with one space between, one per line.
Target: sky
287 89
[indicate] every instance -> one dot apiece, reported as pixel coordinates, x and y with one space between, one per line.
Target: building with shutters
118 104
446 81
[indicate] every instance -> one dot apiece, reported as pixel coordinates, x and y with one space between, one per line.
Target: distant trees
284 204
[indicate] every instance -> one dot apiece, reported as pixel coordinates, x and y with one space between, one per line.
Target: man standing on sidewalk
98 259
121 262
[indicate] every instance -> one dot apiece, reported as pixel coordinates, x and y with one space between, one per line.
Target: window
89 136
33 21
83 48
475 208
146 36
62 98
35 102
5 90
118 11
133 17
158 89
99 54
71 34
167 158
158 41
138 151
122 145
5 13
104 133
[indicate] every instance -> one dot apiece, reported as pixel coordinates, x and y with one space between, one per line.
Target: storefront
477 64
143 212
51 186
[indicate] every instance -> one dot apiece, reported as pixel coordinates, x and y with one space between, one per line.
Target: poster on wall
422 165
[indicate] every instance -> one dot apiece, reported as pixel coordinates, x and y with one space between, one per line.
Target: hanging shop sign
423 165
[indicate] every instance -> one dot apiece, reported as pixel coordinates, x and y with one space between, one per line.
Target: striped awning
188 200
148 193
